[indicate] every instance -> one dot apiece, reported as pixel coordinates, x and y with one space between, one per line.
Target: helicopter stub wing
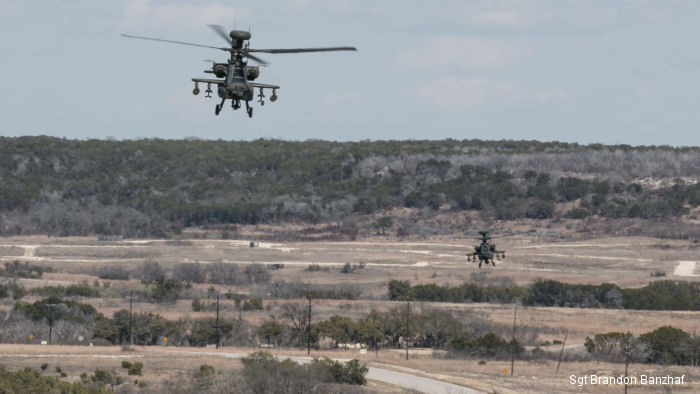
262 85
206 80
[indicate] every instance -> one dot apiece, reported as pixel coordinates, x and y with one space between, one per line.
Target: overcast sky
577 71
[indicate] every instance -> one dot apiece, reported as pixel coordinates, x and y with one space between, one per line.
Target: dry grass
626 261
161 365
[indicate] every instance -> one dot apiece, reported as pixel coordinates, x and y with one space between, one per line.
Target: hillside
156 187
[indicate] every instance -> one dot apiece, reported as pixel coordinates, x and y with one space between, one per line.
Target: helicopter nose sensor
237 88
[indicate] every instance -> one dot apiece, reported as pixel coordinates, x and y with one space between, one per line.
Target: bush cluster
659 295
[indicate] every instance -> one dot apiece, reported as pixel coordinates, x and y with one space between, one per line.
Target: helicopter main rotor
236 39
485 235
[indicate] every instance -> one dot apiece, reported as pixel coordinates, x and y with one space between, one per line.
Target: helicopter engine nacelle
252 72
220 70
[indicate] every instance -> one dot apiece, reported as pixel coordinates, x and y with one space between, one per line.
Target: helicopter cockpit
235 74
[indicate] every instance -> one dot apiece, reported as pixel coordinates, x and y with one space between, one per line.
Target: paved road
419 383
402 379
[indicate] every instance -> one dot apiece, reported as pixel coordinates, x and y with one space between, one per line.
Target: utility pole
51 317
308 328
561 353
512 348
218 333
376 350
628 346
131 305
408 314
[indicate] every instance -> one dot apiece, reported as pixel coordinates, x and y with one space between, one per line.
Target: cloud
502 18
146 13
459 93
453 51
343 99
10 9
455 93
549 95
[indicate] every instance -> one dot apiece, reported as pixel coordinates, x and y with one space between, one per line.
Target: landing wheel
217 109
248 109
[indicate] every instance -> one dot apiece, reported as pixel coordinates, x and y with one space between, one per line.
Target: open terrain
625 261
389 371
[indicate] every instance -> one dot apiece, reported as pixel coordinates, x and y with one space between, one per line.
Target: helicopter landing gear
219 107
248 109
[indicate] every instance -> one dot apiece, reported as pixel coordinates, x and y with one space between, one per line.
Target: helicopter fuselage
236 86
486 252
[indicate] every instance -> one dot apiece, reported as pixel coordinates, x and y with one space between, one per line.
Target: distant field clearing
685 268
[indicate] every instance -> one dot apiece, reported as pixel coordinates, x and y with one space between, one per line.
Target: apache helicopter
487 251
236 75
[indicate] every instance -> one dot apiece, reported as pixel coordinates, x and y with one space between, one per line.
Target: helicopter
487 251
236 76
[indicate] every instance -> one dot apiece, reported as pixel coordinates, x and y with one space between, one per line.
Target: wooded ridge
154 187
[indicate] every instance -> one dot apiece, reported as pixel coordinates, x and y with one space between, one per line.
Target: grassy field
625 261
164 365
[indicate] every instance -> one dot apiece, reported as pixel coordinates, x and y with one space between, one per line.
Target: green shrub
351 372
135 368
166 289
29 380
253 304
666 344
16 269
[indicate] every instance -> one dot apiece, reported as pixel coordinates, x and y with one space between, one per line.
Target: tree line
157 187
665 345
398 327
658 295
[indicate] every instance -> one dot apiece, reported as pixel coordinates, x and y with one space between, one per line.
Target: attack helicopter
236 77
487 251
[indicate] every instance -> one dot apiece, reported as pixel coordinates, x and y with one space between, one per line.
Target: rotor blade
222 32
299 50
257 59
173 42
512 234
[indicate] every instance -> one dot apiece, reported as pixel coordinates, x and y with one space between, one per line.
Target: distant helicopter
236 75
487 251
